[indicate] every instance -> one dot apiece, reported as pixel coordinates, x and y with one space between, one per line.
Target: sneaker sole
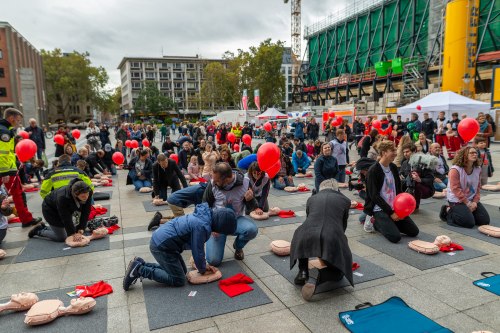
308 291
127 273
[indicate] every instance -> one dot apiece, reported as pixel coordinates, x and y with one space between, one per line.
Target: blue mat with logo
391 316
489 283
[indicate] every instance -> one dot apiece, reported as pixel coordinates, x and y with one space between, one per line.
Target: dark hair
462 156
223 169
411 146
143 152
64 158
253 167
478 139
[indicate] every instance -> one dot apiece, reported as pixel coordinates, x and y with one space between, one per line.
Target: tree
151 100
215 90
109 101
71 79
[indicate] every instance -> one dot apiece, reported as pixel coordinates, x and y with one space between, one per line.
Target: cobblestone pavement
445 294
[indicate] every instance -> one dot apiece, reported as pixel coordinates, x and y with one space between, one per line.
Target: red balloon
236 147
174 157
468 128
331 114
134 144
25 150
247 139
335 122
267 155
231 137
377 124
76 133
340 119
127 144
59 139
274 169
145 143
268 127
419 107
24 134
404 204
118 158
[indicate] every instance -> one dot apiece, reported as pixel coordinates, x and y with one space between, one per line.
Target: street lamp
132 113
466 80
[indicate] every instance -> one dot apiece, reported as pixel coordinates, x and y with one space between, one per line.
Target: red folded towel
100 288
303 189
309 176
14 220
355 266
34 189
359 206
348 172
112 229
450 248
96 212
236 285
286 214
108 184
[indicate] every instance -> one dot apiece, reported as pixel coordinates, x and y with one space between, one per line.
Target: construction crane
296 26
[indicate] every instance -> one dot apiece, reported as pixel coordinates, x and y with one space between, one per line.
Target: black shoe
36 229
301 278
155 221
238 253
32 222
443 214
132 272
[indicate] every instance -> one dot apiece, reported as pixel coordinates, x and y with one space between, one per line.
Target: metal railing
341 15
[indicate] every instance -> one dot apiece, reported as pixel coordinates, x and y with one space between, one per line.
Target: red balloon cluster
127 144
174 157
25 150
146 143
468 128
59 139
76 133
337 121
118 158
134 144
377 124
231 137
331 114
268 158
247 139
404 205
268 127
24 134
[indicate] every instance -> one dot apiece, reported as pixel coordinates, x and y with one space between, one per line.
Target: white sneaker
368 225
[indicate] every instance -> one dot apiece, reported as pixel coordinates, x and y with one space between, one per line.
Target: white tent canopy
272 113
448 102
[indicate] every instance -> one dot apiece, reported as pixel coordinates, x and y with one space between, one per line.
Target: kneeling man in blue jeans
170 239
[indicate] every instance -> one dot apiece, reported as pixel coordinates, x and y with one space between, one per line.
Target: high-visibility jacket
237 131
62 176
7 154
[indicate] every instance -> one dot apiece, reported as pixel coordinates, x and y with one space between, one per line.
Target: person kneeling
322 235
170 239
67 211
380 195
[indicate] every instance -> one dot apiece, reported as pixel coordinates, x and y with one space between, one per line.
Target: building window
178 85
164 76
177 66
2 72
190 66
3 92
135 65
136 75
165 65
179 76
1 54
136 85
150 76
150 65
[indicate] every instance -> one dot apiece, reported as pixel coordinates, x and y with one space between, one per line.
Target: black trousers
392 230
461 216
326 274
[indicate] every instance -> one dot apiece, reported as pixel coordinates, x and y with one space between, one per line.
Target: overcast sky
112 29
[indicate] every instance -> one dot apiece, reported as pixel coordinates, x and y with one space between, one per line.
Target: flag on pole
256 98
244 100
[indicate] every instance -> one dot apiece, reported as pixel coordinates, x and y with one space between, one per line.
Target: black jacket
312 130
168 148
325 167
37 135
323 232
162 178
185 157
59 206
147 171
426 176
365 146
246 130
95 163
428 127
374 183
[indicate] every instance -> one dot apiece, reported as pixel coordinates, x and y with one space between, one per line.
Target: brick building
22 83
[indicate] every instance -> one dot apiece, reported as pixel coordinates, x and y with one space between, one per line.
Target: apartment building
22 83
177 77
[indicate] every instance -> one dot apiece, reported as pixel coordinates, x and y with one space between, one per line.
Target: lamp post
132 114
466 80
125 114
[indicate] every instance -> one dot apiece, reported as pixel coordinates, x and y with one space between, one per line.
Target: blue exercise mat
490 283
392 316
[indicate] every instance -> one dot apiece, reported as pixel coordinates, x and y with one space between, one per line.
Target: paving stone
460 322
279 322
36 280
487 314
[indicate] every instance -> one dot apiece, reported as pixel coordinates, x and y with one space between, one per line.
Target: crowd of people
213 167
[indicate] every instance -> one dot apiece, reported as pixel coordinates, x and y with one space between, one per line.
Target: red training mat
100 288
112 229
236 285
284 214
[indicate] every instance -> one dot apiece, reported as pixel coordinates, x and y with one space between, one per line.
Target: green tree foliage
109 101
152 101
71 79
258 68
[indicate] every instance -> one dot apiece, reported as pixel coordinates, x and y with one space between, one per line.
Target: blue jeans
340 177
441 186
246 230
280 186
170 270
141 183
113 169
191 195
39 152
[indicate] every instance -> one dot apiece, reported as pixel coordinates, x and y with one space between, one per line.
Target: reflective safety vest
62 177
7 154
